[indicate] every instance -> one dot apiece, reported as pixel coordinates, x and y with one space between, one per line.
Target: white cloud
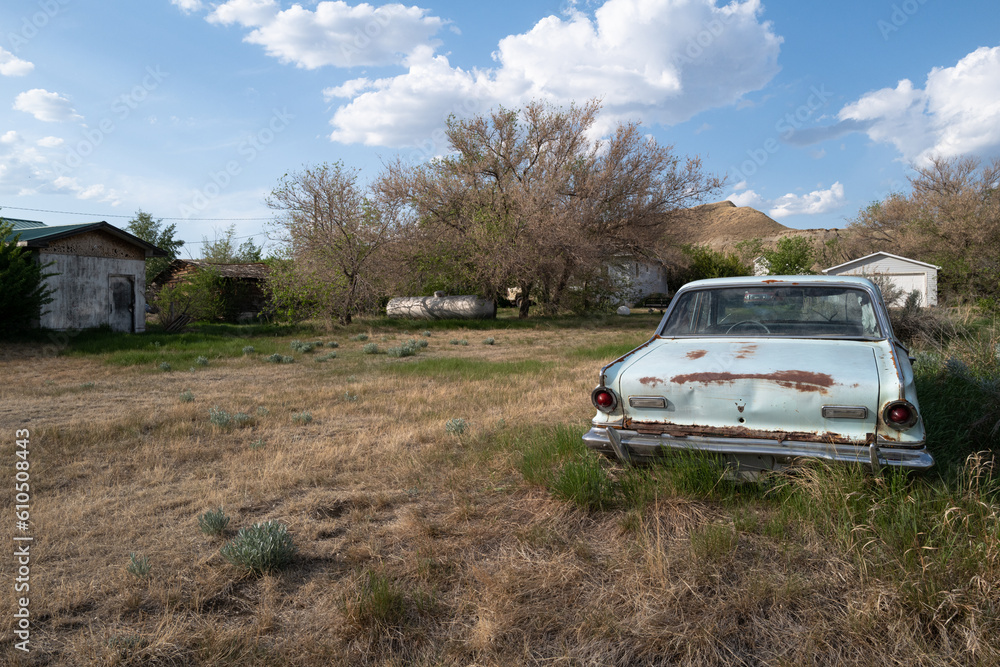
11 65
957 112
188 6
50 142
814 203
334 34
748 198
10 137
659 62
96 192
45 106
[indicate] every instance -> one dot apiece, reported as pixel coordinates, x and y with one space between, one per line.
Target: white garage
905 273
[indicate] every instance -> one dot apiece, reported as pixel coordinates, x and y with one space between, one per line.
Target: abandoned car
762 371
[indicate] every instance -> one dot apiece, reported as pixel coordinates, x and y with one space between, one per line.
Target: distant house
244 283
906 274
100 273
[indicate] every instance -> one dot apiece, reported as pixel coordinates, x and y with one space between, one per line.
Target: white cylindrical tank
441 308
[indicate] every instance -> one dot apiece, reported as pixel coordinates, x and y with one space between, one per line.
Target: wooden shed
243 283
100 273
905 273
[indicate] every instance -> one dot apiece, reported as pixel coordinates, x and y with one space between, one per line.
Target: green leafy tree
153 231
199 297
223 250
792 256
708 263
23 291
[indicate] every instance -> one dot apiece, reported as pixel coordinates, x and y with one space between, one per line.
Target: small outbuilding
905 273
242 284
99 273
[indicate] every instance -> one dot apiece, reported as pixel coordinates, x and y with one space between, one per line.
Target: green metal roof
39 237
22 224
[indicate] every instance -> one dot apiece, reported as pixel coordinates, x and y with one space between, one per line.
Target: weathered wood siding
81 289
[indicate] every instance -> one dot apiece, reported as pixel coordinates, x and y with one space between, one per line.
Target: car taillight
604 399
899 415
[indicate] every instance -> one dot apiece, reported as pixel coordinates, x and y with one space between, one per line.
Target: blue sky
193 110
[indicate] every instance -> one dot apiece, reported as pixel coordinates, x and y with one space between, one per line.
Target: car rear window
795 311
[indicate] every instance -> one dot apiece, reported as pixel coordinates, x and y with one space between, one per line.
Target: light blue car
763 371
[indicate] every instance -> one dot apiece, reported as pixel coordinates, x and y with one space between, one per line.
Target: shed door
122 303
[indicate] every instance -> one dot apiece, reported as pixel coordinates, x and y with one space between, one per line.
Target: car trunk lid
794 389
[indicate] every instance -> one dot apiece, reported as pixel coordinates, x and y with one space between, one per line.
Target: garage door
909 282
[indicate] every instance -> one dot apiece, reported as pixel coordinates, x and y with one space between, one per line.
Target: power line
111 215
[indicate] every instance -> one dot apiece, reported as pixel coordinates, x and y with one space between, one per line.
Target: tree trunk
522 311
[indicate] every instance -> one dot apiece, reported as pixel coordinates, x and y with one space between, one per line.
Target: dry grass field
435 521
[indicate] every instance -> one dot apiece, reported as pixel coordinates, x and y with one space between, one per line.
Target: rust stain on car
746 351
650 381
678 430
696 354
804 381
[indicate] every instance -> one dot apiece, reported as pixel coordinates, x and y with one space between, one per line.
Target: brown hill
724 224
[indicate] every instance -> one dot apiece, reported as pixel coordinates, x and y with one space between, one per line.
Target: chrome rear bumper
755 453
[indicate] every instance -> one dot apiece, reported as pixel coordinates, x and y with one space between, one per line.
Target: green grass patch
457 369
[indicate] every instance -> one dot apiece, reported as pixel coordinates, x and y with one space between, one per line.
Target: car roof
774 281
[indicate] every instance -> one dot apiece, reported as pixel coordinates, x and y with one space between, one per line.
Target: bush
263 547
23 291
489 341
370 348
455 426
248 349
186 396
302 417
213 522
201 361
219 417
165 366
280 359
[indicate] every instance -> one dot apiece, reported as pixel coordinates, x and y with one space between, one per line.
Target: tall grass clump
377 603
261 548
959 391
936 542
584 481
138 566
